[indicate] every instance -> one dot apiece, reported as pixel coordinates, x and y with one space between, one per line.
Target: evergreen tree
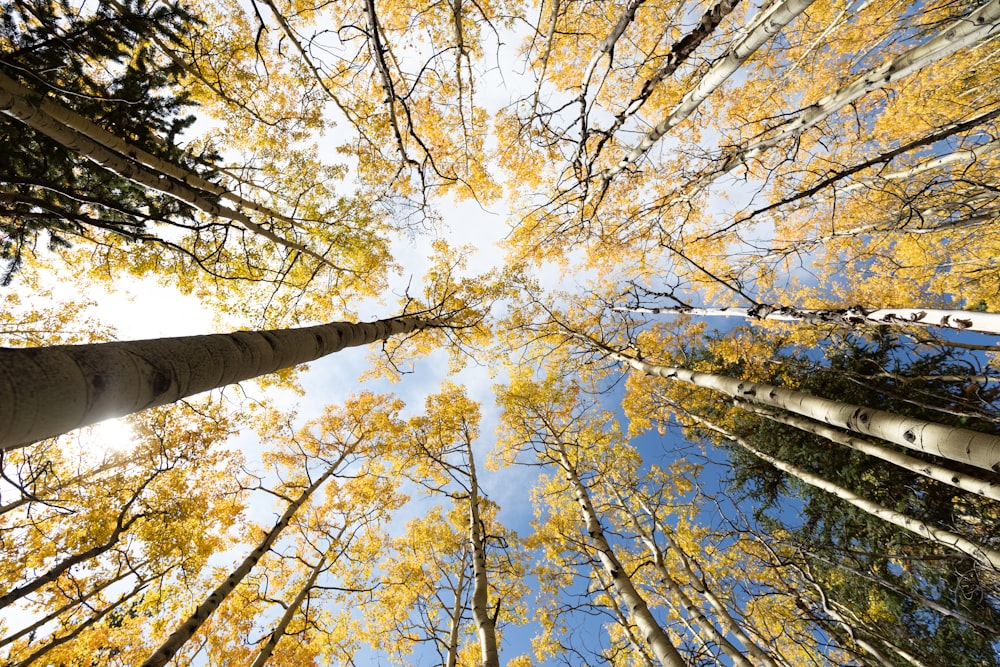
97 62
899 587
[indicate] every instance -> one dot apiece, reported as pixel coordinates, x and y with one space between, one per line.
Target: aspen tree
346 435
770 21
962 33
958 444
95 549
701 586
56 389
985 555
31 115
934 471
957 320
697 621
659 642
553 431
456 565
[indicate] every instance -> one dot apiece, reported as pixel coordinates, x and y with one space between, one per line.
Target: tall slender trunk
640 651
101 136
699 583
959 320
696 620
951 442
455 621
659 643
831 610
885 157
286 618
129 169
961 33
970 155
773 19
50 390
186 630
988 557
485 626
933 471
981 624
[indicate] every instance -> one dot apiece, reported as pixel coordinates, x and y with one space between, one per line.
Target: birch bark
699 583
485 626
697 621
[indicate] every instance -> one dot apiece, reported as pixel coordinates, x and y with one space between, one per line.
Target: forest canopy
681 322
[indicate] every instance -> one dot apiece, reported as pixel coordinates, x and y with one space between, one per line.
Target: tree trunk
940 473
701 585
129 169
988 557
658 641
286 618
885 157
951 442
697 622
774 18
177 639
455 621
485 626
964 32
970 155
98 134
959 320
51 390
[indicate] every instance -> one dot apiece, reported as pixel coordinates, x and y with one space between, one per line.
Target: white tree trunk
970 155
100 135
959 320
988 557
951 442
940 473
50 390
176 640
657 640
485 625
964 32
455 620
129 169
701 585
286 618
774 18
697 622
